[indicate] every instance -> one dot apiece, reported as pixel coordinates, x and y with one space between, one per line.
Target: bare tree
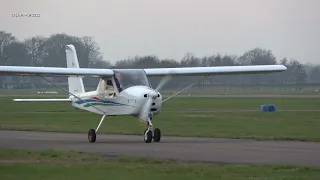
35 48
257 56
91 52
5 40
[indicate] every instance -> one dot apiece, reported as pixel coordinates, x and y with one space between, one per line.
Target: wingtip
284 67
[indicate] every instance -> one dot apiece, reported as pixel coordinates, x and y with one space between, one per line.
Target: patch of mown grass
180 117
50 164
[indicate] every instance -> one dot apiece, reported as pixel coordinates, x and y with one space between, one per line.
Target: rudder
75 84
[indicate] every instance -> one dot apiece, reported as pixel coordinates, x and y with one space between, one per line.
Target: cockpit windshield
130 77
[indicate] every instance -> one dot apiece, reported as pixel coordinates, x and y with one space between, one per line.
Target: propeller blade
144 114
163 81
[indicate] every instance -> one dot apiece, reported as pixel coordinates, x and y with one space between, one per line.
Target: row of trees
50 52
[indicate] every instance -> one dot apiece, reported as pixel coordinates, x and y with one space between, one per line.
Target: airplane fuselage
127 102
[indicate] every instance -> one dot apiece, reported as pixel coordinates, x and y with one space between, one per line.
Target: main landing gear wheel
156 135
147 136
92 135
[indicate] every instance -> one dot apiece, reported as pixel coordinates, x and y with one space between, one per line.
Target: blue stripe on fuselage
93 100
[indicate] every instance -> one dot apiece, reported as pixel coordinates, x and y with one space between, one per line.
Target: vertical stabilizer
75 83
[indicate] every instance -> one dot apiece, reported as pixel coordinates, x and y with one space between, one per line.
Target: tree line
49 51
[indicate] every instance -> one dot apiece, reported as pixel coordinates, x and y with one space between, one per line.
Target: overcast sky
170 28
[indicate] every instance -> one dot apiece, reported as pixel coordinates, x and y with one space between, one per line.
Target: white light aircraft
123 91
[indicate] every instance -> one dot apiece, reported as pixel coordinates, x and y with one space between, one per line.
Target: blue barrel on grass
272 107
264 108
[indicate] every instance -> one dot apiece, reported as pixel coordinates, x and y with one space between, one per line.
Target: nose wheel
151 133
156 135
147 136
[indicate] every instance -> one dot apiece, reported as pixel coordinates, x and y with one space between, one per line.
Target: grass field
295 119
49 164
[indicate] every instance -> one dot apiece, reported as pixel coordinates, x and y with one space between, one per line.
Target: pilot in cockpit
109 88
109 82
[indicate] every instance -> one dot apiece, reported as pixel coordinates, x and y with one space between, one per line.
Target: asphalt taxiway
211 150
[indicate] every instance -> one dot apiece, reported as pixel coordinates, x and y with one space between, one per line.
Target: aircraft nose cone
153 94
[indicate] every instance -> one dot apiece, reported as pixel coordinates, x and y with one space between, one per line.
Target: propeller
163 81
145 111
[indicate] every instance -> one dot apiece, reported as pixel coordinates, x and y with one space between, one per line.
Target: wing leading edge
220 70
185 71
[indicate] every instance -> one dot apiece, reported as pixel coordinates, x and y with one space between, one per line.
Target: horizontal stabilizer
42 100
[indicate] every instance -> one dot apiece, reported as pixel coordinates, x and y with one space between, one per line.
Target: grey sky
170 28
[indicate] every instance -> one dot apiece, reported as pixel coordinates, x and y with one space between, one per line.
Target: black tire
92 135
157 135
147 136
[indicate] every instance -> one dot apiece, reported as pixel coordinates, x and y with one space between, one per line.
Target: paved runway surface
229 151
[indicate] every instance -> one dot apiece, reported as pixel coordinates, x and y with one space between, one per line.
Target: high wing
185 71
53 71
220 70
